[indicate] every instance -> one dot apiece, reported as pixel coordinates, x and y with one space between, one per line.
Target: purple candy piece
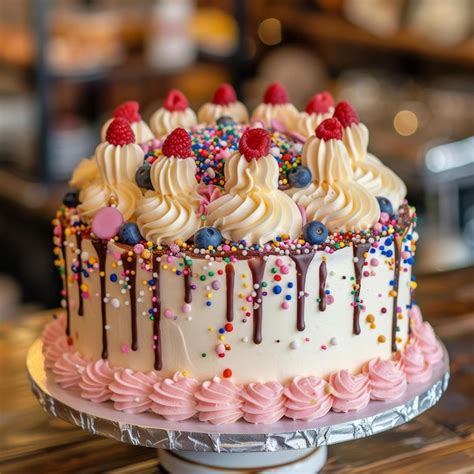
107 222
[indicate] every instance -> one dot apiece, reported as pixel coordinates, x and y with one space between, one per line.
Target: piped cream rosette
319 108
276 106
117 160
253 209
224 104
130 111
84 173
169 212
369 171
333 197
175 113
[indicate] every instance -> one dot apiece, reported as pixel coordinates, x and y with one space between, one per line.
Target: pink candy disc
106 223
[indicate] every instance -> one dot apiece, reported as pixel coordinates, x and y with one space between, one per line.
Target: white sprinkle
84 256
245 339
333 341
137 399
355 259
295 344
115 303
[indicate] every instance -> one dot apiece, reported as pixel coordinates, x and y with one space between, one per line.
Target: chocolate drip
257 267
302 263
323 273
130 266
101 249
358 252
66 289
188 296
80 310
157 315
229 281
396 279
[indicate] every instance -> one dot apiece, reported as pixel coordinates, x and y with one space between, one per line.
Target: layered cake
229 266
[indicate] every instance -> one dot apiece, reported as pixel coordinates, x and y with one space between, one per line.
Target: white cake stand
194 447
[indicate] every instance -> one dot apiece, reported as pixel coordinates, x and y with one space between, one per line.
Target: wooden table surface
439 441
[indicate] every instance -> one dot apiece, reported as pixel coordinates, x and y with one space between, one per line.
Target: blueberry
315 232
385 205
207 236
299 177
225 121
142 177
71 199
129 233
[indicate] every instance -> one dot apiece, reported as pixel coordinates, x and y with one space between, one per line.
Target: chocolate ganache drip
302 263
101 249
257 267
130 267
360 252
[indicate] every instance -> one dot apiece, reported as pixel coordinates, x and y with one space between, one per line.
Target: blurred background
407 65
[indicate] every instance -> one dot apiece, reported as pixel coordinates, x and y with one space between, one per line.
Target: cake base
147 429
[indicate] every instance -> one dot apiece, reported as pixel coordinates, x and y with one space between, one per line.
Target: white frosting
210 112
334 197
84 173
140 129
356 140
306 124
169 212
285 114
163 121
254 209
117 166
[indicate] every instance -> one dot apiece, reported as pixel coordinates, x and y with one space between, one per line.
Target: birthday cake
230 266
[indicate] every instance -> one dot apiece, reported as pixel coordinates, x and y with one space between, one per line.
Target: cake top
258 184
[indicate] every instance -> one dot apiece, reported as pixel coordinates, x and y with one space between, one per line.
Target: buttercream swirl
417 369
424 336
84 173
95 380
210 112
380 180
356 141
173 399
350 392
308 398
263 402
387 379
334 198
55 351
219 401
140 129
286 114
163 121
306 124
169 212
54 330
117 167
131 390
254 209
68 369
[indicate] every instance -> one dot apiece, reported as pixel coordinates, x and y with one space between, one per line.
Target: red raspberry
329 129
175 101
255 143
177 144
346 114
128 111
320 103
275 94
224 95
119 133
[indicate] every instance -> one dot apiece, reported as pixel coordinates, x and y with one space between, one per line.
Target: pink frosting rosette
263 402
68 369
308 398
350 392
53 331
131 390
387 380
55 351
95 380
414 313
207 194
219 401
415 365
424 336
173 399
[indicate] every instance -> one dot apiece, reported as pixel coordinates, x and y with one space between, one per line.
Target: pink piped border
220 401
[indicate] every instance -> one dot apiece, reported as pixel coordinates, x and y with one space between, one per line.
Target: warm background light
405 123
269 31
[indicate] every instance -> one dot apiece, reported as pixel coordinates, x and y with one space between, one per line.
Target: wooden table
439 441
